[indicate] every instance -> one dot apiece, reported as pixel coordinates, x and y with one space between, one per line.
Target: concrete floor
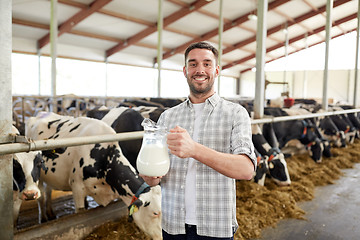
334 213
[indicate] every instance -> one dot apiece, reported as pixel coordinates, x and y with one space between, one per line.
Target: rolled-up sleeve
241 136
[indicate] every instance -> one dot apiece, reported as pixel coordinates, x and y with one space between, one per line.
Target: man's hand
151 181
180 143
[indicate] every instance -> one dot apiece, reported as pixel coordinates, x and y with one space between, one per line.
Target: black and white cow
327 128
277 166
354 118
139 102
26 174
311 122
152 113
330 131
97 170
262 168
166 102
295 129
122 119
344 124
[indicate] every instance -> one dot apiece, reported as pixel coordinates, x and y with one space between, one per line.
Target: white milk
153 160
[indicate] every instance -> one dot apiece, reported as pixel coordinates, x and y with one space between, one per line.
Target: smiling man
210 146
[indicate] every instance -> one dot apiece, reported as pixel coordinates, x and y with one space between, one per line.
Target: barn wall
340 87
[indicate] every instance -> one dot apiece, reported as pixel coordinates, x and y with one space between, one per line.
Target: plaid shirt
225 127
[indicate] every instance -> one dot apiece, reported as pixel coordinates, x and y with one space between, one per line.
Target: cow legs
16 207
79 196
44 204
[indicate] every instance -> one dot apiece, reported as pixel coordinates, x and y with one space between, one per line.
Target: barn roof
125 32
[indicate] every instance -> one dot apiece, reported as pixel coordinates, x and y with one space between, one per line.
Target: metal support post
6 169
329 6
260 58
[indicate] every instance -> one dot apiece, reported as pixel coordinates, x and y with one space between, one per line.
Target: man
210 146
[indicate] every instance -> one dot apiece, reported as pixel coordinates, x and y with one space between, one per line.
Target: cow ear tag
133 209
271 165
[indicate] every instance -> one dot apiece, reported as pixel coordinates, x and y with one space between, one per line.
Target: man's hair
202 45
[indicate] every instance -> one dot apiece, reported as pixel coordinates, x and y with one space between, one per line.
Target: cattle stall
20 144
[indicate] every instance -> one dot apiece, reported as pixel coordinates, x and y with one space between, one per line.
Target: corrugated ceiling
126 31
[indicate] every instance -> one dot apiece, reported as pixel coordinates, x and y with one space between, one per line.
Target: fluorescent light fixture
252 17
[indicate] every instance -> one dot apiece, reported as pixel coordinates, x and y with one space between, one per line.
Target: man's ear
217 71
184 71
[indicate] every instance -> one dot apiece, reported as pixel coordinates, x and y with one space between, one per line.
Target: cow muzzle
30 195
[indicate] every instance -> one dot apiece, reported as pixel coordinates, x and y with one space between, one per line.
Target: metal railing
29 145
298 117
48 144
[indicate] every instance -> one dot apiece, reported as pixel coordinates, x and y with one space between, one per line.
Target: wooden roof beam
281 26
127 17
74 20
292 40
167 21
214 32
80 33
248 69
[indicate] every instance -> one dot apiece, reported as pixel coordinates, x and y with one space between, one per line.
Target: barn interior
151 36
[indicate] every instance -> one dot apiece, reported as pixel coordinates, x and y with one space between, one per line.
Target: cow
343 122
262 168
294 129
335 128
311 122
152 113
26 174
139 102
354 118
326 128
330 131
97 170
122 119
70 104
277 166
166 102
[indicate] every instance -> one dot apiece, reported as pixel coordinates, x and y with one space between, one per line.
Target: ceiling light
252 17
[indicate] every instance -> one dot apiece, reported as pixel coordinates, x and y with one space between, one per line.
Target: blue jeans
190 235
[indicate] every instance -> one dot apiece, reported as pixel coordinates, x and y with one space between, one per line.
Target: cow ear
133 208
54 153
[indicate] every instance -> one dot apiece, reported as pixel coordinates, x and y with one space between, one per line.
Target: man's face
200 71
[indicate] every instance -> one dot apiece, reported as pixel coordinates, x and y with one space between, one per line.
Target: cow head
261 170
331 132
326 147
26 171
311 141
278 168
146 212
315 149
343 124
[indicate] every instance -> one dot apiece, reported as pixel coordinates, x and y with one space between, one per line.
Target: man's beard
199 90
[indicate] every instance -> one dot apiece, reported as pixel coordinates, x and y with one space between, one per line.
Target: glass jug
153 159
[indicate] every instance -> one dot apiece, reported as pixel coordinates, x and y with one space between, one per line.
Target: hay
260 207
121 230
280 202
